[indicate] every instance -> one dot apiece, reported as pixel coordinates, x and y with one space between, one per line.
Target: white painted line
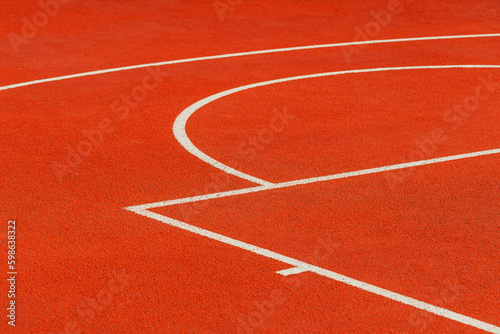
297 264
179 127
181 136
323 272
312 180
292 271
241 54
200 198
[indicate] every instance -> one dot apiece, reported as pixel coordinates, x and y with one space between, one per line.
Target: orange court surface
244 166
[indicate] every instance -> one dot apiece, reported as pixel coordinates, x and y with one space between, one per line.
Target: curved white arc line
179 127
181 136
241 54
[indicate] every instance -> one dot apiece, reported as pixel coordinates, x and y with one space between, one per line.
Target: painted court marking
181 120
297 266
241 54
310 180
180 134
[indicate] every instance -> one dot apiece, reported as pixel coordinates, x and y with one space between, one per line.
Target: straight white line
179 126
292 271
323 272
241 54
311 180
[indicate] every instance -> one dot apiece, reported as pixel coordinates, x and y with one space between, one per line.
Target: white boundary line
181 120
299 267
241 54
287 184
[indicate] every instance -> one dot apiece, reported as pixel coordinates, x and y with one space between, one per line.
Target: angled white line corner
311 180
302 267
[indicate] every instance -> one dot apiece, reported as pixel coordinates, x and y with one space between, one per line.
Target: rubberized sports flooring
243 166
